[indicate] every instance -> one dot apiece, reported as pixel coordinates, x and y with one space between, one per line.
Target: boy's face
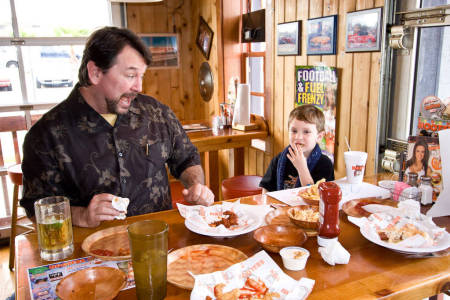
304 134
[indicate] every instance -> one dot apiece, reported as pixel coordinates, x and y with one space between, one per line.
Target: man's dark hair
104 45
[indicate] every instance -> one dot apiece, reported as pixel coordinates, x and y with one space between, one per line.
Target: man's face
123 81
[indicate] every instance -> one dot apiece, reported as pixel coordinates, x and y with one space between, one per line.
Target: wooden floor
7 277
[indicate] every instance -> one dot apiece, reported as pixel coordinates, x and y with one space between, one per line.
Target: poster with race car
363 30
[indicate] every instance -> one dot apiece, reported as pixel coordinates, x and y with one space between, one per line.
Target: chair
241 186
15 174
176 189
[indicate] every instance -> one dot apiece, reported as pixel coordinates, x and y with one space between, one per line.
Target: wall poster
318 85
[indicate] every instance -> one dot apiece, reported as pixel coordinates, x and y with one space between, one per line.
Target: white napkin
333 253
442 205
121 204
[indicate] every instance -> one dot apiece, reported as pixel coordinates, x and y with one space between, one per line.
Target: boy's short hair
310 114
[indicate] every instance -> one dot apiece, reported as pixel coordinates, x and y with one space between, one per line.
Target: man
107 140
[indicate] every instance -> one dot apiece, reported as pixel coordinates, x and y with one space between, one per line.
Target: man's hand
199 194
99 209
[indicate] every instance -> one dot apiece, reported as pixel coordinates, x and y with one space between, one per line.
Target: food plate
354 208
92 283
199 259
253 222
442 243
113 242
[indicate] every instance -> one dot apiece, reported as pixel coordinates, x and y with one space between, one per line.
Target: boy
302 162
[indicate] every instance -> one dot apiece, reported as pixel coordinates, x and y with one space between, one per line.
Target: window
254 65
41 43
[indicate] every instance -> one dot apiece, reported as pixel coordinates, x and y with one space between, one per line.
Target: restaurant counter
373 271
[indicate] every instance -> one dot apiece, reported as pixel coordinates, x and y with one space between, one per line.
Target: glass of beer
54 227
148 243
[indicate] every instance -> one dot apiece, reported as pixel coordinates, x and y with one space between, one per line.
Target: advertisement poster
44 279
424 158
318 85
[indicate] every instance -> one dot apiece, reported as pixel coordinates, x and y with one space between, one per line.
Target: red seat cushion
241 186
176 189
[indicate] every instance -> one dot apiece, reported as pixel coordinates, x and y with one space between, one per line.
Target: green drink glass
148 243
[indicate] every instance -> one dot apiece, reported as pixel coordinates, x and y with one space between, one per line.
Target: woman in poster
418 163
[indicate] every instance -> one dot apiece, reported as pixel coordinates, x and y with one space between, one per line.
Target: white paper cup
294 258
355 164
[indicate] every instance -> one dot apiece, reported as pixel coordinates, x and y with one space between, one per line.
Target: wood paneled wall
359 80
359 73
178 88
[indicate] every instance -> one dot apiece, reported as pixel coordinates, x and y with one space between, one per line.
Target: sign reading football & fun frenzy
318 85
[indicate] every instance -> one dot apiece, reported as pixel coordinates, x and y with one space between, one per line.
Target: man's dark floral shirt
73 151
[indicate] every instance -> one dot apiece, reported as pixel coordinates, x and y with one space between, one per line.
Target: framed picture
322 36
363 30
204 37
288 38
164 50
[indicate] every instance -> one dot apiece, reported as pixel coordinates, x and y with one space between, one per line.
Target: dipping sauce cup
294 258
54 227
148 243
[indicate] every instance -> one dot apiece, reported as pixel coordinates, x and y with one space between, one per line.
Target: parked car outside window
56 67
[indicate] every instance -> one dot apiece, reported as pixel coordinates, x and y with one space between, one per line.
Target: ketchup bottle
330 195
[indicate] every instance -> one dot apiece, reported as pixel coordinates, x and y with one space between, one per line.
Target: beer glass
54 227
148 243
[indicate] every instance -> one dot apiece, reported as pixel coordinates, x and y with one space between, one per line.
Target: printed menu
44 279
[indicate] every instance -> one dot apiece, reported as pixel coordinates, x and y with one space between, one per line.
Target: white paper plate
387 184
443 243
256 222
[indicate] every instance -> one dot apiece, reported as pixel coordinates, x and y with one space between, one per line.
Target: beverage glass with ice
148 243
54 227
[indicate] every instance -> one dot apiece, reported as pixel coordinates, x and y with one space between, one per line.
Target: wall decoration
318 85
204 37
164 50
322 35
363 30
288 38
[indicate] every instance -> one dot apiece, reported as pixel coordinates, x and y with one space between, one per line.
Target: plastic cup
54 227
355 163
148 243
294 258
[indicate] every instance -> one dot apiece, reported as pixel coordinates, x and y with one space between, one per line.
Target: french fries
312 193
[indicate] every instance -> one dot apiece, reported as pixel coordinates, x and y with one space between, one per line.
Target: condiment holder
294 258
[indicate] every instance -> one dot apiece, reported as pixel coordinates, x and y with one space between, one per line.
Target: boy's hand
297 157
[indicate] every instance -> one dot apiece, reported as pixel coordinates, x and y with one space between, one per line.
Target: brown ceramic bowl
275 237
303 223
92 283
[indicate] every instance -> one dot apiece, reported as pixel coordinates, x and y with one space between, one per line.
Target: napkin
442 205
121 204
333 253
260 268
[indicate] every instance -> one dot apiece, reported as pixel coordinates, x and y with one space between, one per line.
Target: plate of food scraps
108 244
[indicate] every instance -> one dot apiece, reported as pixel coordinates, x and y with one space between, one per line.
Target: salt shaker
426 189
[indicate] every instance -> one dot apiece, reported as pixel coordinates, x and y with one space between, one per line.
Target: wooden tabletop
373 271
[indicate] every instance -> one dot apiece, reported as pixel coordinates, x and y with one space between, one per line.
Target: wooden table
209 144
373 271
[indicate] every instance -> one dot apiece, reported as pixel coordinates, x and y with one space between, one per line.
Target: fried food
394 234
253 289
308 215
228 219
311 193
